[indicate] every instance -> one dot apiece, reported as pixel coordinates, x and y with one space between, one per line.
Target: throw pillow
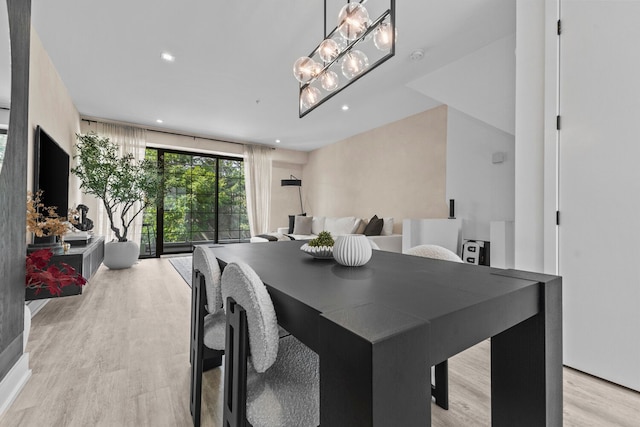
361 227
317 225
387 228
302 225
374 227
292 220
340 226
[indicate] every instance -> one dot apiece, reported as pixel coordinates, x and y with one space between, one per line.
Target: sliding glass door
204 202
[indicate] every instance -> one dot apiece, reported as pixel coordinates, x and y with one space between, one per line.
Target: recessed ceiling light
277 141
168 57
159 121
345 107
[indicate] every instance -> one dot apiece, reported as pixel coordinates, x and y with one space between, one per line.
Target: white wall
396 170
481 84
483 191
4 118
51 107
529 120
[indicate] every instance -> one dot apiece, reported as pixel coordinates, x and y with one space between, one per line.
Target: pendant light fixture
356 46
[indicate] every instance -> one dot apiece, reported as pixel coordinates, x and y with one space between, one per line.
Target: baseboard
36 305
13 382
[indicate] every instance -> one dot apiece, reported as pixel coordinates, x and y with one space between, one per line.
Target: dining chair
440 388
435 252
208 323
280 385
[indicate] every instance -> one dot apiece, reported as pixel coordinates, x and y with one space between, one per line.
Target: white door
599 187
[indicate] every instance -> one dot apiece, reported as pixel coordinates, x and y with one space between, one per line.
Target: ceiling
232 78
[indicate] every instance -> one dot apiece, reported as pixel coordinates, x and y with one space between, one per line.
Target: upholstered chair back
241 282
206 262
435 252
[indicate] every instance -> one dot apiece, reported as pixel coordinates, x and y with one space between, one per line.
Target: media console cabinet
84 258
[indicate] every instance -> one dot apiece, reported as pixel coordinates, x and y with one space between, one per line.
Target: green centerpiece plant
321 247
324 239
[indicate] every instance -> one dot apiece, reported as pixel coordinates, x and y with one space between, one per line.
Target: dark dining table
379 328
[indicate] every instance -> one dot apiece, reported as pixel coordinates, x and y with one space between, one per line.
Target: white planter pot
119 255
352 250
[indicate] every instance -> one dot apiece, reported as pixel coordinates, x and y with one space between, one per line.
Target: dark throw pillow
292 221
374 228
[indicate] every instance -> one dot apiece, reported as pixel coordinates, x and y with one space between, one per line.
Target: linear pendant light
356 46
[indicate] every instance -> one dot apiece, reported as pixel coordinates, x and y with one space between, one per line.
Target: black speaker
452 208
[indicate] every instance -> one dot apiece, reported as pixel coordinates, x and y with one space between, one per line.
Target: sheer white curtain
257 181
130 140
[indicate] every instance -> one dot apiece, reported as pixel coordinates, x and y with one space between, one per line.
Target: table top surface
394 301
423 287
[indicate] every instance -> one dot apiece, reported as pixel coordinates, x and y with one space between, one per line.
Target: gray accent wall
13 186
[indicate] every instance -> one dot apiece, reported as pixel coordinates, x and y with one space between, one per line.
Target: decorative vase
46 242
119 255
352 250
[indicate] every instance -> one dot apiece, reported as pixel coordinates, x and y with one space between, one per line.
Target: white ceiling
232 76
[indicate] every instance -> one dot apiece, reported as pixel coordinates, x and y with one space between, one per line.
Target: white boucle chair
441 378
280 387
208 322
435 252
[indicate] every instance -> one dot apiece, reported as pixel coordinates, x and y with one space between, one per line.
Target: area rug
183 267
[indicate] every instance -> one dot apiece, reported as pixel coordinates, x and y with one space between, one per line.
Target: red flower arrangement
41 275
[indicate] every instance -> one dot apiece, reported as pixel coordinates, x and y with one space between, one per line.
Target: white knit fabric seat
283 376
214 325
435 252
288 393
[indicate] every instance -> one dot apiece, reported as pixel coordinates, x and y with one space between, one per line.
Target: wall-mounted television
51 172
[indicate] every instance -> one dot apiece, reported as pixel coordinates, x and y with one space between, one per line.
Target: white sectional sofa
312 226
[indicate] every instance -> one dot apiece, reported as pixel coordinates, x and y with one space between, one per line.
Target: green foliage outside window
190 199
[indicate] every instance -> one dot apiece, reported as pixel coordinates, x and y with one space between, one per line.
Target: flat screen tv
51 172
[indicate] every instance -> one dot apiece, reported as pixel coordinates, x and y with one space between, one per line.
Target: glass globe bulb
382 36
370 35
353 20
310 96
340 41
316 69
328 50
354 63
329 80
304 68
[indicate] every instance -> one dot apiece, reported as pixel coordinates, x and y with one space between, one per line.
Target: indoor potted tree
124 185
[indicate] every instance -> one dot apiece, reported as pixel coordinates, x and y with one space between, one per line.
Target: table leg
526 366
440 391
372 378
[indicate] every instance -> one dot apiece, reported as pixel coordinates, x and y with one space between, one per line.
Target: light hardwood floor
119 356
